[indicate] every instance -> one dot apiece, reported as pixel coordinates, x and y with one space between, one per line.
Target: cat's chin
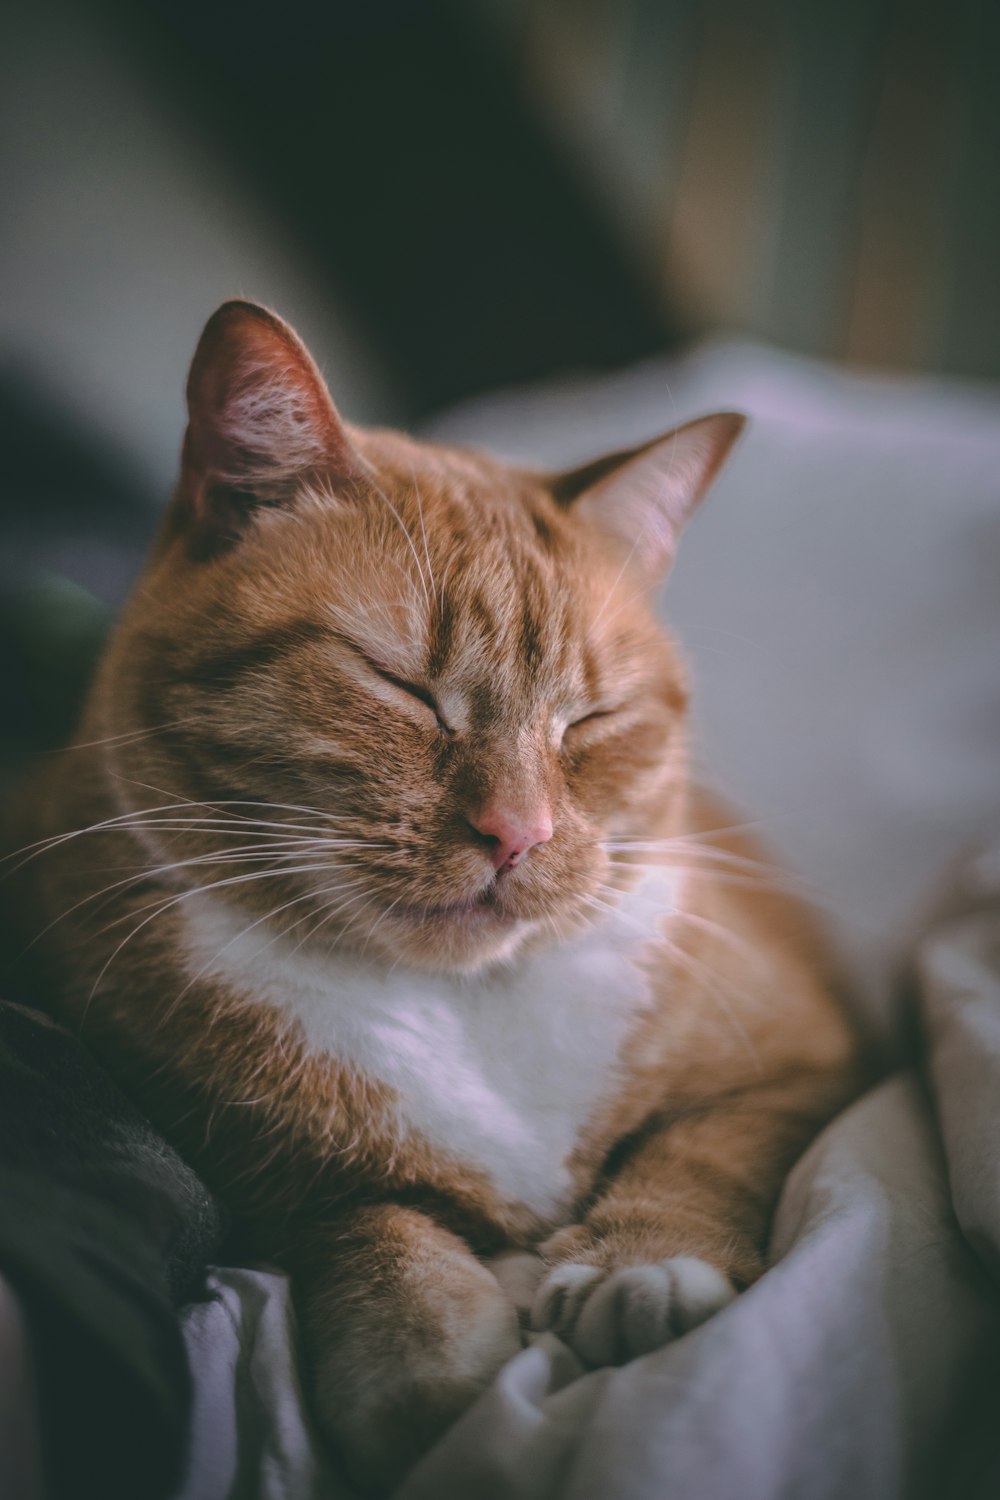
458 939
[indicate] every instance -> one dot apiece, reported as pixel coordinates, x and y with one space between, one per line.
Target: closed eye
399 683
592 717
579 727
598 713
413 691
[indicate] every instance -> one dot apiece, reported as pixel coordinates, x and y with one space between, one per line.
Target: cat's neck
503 1068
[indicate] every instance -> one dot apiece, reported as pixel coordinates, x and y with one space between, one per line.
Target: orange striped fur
272 902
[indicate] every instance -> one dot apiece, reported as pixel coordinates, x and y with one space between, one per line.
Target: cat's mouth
504 904
458 935
480 909
470 929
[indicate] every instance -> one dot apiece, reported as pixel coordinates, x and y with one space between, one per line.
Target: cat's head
409 692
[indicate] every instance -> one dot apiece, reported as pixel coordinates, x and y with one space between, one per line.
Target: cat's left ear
642 498
260 420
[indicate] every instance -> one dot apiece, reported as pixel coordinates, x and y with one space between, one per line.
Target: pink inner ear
259 412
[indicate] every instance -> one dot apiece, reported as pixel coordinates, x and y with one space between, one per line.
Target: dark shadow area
74 527
391 137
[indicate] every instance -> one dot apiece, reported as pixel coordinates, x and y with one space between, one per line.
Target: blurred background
445 197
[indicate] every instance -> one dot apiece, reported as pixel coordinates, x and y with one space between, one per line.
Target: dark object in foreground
102 1229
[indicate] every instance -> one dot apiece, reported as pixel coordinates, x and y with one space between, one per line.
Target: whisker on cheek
167 904
251 927
250 855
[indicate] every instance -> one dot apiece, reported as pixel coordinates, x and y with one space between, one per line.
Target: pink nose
511 834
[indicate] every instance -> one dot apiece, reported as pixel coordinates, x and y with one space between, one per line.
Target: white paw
609 1317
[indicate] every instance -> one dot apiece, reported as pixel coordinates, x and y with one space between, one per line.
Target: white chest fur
501 1070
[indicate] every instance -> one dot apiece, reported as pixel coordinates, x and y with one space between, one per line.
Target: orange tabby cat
379 881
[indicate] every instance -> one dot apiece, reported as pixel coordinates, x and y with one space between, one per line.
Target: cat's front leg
680 1228
402 1328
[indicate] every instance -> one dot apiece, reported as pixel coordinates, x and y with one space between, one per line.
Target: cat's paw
611 1316
385 1390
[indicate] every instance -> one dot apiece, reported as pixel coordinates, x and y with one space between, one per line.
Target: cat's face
425 688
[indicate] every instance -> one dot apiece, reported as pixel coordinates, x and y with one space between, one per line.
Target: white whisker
423 530
249 854
127 737
166 817
251 927
165 905
403 528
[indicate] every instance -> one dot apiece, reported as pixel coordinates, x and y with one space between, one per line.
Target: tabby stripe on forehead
225 667
484 616
442 636
531 643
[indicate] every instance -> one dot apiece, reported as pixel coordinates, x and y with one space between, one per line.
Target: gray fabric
959 966
103 1229
251 1434
20 1460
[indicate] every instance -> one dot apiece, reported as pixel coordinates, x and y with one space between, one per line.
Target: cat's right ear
260 420
642 499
